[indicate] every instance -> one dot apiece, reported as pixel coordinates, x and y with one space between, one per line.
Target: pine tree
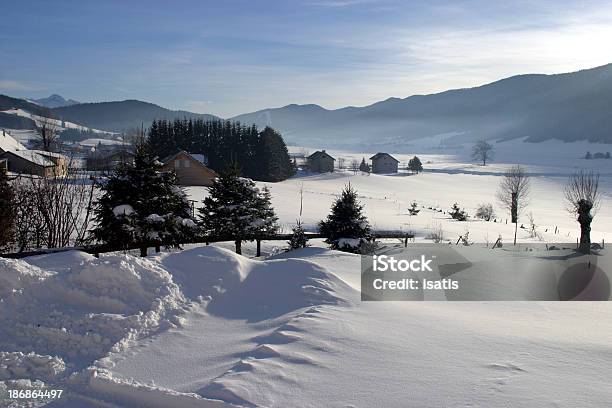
7 210
298 237
364 167
236 210
273 157
413 210
457 213
415 165
265 222
141 206
346 222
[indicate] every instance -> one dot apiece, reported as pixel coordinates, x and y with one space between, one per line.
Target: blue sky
228 57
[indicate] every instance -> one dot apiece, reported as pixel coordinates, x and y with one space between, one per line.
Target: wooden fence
96 250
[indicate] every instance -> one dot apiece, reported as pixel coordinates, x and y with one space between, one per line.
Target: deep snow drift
205 327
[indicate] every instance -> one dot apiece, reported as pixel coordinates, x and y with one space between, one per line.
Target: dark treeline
260 155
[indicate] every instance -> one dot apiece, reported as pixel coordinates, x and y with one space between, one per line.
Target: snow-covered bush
457 213
436 234
346 226
140 205
485 212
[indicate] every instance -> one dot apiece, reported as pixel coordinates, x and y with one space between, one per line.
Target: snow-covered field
208 328
450 179
204 327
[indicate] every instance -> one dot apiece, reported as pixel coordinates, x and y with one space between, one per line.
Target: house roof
380 155
48 154
32 156
9 143
194 157
319 154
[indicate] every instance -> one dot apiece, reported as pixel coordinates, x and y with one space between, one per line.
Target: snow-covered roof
202 159
8 142
48 154
321 153
379 155
33 157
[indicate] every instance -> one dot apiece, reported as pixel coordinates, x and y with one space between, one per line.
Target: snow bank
101 383
83 310
245 289
30 366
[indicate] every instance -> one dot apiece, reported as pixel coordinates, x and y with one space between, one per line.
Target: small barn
383 163
190 169
320 162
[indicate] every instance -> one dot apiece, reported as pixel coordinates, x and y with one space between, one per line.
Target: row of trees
141 206
260 155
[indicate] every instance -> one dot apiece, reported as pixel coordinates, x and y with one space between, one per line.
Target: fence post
143 251
258 247
157 248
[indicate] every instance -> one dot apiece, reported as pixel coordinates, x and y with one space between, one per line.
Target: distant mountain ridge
121 115
55 101
568 107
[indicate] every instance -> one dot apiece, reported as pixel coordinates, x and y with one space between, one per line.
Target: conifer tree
415 165
364 167
414 210
457 213
273 157
7 210
298 237
265 222
142 206
236 210
346 225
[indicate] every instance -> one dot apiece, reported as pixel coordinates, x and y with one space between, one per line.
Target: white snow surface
205 327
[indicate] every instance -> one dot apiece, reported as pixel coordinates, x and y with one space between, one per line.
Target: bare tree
582 196
513 193
482 151
341 163
47 131
53 212
355 166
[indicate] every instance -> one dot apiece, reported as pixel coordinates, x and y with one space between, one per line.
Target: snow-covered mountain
55 101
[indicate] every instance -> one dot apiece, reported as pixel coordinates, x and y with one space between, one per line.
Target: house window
186 163
177 164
